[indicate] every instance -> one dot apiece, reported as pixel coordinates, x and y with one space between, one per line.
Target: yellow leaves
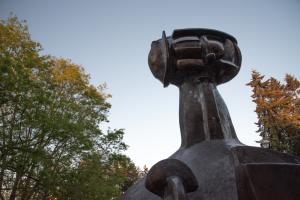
292 83
277 108
255 80
15 39
74 80
92 91
101 88
64 71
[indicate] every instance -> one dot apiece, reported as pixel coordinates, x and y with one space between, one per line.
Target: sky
111 40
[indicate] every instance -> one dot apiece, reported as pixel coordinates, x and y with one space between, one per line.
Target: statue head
195 53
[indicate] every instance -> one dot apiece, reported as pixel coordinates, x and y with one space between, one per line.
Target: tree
278 111
51 143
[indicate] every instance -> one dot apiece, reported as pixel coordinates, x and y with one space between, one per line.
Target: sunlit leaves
278 111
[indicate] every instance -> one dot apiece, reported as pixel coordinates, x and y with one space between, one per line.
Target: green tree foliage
278 111
51 144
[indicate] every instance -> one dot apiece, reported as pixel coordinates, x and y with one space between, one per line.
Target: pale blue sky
111 40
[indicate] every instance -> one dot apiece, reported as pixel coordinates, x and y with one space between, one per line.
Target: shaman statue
211 163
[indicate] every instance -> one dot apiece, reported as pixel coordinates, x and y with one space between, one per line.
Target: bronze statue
211 163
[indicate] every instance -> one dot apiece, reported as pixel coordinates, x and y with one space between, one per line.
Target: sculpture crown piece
201 53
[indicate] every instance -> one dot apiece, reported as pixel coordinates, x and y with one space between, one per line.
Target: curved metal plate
165 57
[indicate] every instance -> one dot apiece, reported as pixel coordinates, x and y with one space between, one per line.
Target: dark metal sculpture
211 163
171 179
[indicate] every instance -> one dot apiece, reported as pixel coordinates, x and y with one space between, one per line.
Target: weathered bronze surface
211 163
172 179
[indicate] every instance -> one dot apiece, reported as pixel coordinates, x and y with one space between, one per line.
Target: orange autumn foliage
278 111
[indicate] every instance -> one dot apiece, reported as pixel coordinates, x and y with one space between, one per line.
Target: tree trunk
15 187
26 190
